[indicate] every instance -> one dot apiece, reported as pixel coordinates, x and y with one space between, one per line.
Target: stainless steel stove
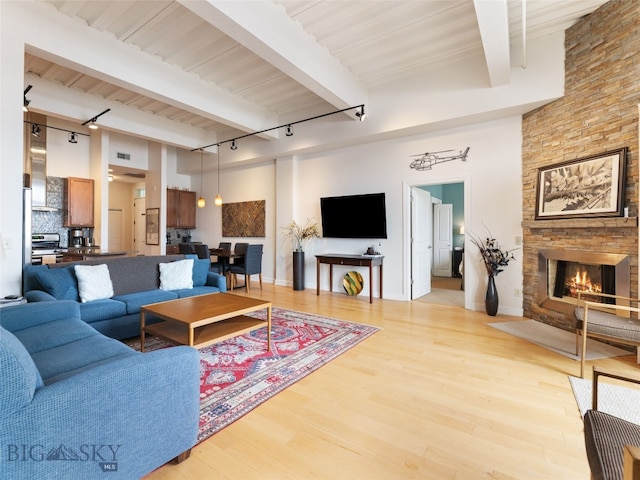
45 245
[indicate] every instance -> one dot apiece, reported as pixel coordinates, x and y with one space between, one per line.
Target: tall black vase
298 270
491 299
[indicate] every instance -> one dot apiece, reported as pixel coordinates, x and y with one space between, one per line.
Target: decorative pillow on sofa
58 282
176 275
200 269
94 282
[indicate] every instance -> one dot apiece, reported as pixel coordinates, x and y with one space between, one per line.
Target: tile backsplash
51 222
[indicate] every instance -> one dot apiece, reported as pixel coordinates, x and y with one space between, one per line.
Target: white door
442 239
116 231
421 221
139 225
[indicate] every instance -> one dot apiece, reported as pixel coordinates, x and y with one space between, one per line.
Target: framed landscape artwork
587 187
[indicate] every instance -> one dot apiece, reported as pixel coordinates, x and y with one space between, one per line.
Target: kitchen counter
86 253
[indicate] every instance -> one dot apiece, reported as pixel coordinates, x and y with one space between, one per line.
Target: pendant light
218 200
201 200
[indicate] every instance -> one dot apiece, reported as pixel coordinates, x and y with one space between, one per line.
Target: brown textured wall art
243 219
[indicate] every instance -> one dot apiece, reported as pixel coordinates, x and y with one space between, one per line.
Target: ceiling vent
123 156
134 175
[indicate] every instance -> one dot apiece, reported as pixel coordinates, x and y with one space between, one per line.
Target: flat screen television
354 216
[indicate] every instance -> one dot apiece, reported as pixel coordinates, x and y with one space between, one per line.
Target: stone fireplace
588 119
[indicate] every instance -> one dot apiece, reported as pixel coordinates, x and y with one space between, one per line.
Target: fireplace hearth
562 274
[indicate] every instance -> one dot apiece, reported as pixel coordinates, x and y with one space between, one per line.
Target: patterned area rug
239 374
612 399
557 340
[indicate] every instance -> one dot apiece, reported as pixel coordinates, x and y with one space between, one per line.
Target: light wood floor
436 394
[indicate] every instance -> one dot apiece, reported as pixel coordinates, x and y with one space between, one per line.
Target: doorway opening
126 208
437 240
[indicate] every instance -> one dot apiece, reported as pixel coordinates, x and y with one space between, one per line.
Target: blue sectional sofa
76 404
135 281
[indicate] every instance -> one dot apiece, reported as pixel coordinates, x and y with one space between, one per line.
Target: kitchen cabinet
78 202
173 249
181 209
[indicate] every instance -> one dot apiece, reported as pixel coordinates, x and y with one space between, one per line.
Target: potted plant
495 259
299 234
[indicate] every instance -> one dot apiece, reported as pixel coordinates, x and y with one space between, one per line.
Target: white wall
240 185
492 174
136 148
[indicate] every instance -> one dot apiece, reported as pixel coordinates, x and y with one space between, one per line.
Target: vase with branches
495 259
299 234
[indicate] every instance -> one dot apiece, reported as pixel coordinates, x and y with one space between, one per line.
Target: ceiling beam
54 38
267 30
493 21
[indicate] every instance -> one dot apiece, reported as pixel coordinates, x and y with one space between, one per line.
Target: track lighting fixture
288 126
26 101
201 201
92 121
36 128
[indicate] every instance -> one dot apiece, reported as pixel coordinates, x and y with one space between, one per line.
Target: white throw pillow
94 282
176 275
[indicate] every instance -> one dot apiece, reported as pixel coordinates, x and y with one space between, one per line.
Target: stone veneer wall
598 113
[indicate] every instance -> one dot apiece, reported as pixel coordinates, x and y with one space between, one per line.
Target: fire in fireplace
574 277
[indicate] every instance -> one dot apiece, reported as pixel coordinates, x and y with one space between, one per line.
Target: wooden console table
351 260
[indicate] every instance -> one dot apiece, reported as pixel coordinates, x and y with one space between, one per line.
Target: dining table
225 256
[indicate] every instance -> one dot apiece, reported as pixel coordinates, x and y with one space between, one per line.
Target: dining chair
186 248
221 265
202 250
252 266
239 252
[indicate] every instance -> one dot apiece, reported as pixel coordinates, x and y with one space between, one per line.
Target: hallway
444 291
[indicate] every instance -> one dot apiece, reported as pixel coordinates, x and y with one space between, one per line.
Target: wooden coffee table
204 319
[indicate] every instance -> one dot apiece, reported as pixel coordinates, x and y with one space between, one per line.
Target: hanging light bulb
201 201
218 200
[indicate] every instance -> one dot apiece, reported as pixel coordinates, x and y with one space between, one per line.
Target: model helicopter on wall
429 159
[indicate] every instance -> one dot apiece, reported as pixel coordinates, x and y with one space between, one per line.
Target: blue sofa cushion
66 359
61 283
102 310
190 292
134 301
53 334
200 269
20 377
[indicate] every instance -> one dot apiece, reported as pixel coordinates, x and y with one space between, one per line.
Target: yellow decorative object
352 283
